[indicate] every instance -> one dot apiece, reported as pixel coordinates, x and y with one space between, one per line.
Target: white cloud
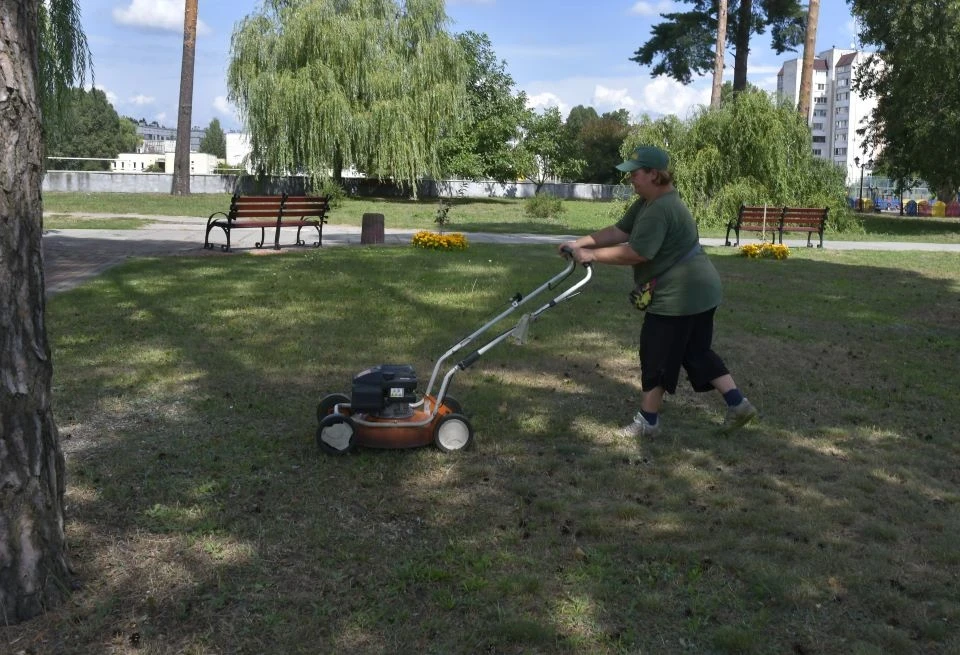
226 109
163 15
636 93
614 98
111 96
545 101
222 105
652 8
667 96
141 100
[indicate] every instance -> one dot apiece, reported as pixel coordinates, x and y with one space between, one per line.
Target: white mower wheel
336 433
328 402
453 433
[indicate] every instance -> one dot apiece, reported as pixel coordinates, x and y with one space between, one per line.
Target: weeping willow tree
751 150
42 52
326 84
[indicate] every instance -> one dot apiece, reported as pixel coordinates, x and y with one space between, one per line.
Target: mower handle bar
515 303
467 361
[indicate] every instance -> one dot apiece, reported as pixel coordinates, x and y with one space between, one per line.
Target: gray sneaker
738 416
639 428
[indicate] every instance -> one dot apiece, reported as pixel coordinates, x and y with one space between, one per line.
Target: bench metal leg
736 231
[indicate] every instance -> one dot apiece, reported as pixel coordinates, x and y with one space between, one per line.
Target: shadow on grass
202 517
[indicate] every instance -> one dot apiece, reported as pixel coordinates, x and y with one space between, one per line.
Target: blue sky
560 52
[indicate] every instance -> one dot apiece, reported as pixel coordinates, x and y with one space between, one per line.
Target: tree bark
742 45
34 572
181 159
718 58
806 74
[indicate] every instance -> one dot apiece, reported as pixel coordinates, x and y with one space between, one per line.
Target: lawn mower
384 409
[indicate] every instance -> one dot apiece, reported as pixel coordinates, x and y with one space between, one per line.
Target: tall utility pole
806 74
718 59
181 160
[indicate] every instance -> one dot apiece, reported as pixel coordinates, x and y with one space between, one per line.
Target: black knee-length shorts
669 342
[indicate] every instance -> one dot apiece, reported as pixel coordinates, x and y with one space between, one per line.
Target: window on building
819 139
821 87
840 152
817 152
820 101
819 112
842 124
818 126
843 82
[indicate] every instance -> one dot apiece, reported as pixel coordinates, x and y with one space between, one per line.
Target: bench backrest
777 216
757 215
276 207
805 216
303 206
255 206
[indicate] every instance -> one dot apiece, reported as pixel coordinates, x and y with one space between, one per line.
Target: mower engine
385 391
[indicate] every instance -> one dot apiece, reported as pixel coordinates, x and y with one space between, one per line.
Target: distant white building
837 112
134 162
158 139
137 162
238 150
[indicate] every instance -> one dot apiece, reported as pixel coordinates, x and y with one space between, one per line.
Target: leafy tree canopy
214 141
597 141
481 145
915 77
548 151
323 84
683 46
751 150
88 127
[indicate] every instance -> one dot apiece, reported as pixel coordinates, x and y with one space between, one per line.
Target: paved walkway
74 256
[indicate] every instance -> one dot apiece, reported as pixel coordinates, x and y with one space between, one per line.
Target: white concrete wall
110 182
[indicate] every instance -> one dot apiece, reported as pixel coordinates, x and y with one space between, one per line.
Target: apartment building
836 111
160 140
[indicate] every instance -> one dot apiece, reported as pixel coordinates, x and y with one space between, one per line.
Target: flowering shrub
434 241
765 251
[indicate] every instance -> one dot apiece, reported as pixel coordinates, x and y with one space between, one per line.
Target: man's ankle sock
651 417
733 397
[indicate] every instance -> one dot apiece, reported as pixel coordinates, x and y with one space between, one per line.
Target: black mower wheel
327 403
452 404
336 434
453 433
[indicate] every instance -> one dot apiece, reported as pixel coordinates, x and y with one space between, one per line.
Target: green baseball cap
646 157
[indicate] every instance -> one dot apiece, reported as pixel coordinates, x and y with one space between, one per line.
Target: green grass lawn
500 216
203 519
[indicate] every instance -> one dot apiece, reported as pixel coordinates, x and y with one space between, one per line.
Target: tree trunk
718 59
181 159
742 45
806 75
34 573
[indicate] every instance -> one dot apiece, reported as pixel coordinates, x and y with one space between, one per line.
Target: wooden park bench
273 212
778 220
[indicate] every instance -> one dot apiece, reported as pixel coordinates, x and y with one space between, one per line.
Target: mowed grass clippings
202 518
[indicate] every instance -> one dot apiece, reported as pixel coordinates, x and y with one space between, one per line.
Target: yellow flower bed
765 251
434 241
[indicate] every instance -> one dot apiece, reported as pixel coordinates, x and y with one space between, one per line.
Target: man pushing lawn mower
676 285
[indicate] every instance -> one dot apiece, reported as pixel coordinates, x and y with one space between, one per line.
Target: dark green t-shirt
663 231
